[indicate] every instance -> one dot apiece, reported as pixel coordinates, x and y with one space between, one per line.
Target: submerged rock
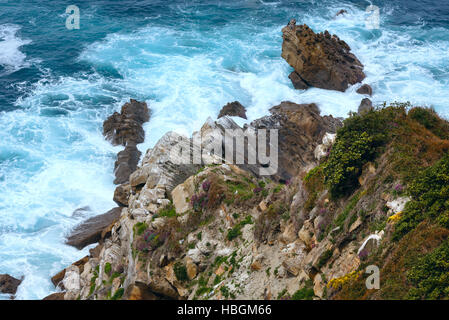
90 230
9 284
233 109
319 59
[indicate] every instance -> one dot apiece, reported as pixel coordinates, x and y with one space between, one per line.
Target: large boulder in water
90 230
9 284
126 127
320 60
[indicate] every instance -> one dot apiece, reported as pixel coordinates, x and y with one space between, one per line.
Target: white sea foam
11 58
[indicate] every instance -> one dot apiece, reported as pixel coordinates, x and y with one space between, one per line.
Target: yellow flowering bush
337 283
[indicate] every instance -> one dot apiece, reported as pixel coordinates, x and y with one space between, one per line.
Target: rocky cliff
368 193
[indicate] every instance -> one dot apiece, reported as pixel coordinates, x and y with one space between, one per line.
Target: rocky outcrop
9 284
320 60
233 109
90 230
300 130
126 127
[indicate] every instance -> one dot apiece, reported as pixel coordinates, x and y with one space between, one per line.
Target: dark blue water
186 59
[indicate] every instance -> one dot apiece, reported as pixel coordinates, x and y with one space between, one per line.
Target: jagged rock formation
9 284
320 60
125 128
301 128
233 109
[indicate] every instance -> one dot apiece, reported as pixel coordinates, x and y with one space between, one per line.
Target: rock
322 149
365 106
289 234
121 194
304 234
341 12
356 224
298 82
55 296
71 282
126 127
318 286
365 89
140 291
9 284
181 195
321 60
256 266
90 230
233 109
59 277
126 163
191 269
398 204
300 129
163 166
292 266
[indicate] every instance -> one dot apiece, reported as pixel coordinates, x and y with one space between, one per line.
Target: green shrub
324 258
107 268
118 294
357 142
180 271
431 121
168 211
430 194
430 276
305 293
140 227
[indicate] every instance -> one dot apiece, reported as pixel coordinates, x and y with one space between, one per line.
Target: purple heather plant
206 185
363 254
199 202
399 188
257 190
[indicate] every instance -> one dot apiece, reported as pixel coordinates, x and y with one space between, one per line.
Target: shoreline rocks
320 60
90 230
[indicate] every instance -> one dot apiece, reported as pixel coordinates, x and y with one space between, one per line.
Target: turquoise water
186 59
